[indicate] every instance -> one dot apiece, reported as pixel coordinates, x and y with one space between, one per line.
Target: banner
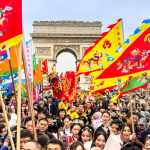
136 56
102 54
10 23
29 59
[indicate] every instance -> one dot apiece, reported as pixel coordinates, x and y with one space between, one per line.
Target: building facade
51 38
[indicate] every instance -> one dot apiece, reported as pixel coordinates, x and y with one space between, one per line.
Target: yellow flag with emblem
102 54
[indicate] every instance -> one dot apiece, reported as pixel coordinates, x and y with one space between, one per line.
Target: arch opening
65 61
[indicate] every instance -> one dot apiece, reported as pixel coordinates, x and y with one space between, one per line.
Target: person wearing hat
41 108
145 133
49 117
142 122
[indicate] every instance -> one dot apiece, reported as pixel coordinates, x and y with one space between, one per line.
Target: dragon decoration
64 87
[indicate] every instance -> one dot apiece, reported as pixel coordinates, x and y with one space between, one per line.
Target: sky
133 13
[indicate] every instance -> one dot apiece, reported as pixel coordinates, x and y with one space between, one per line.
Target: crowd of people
86 124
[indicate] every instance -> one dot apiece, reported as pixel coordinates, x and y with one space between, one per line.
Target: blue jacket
2 147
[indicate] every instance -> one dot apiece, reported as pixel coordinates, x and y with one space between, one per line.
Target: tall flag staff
30 97
11 71
11 34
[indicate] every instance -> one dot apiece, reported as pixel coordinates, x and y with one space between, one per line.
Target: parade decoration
28 52
137 82
136 55
10 23
69 84
45 66
4 64
132 84
102 54
64 87
35 61
55 84
37 74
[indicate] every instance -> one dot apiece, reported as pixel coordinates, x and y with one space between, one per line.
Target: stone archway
71 49
52 38
66 60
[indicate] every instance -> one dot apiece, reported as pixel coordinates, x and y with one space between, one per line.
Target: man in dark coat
145 133
52 108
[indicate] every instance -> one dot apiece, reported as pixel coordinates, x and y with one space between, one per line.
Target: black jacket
42 110
50 135
144 134
53 109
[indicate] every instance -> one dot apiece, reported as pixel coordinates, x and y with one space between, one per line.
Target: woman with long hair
106 119
77 146
58 127
75 128
100 138
86 134
126 133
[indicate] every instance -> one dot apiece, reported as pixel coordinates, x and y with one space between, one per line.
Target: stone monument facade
51 38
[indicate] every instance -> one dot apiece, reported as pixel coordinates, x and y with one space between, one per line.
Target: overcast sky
133 13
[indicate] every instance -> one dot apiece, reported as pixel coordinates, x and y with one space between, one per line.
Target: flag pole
131 112
7 123
30 97
119 87
146 105
32 84
14 88
19 96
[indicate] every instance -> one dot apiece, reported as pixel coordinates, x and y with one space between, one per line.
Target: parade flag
35 61
24 90
4 65
114 99
29 60
102 54
37 74
8 82
3 55
10 23
136 55
10 88
132 84
36 95
135 83
45 66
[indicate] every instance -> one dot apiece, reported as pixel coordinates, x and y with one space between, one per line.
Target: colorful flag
10 23
35 62
102 54
36 95
132 84
45 66
4 65
24 90
135 83
10 88
29 59
37 74
136 55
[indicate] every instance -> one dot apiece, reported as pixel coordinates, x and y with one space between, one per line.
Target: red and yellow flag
45 66
10 23
102 54
136 55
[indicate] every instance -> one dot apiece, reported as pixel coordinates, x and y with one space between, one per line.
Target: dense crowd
93 123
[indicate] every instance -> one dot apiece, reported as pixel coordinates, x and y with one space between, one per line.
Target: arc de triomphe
52 38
